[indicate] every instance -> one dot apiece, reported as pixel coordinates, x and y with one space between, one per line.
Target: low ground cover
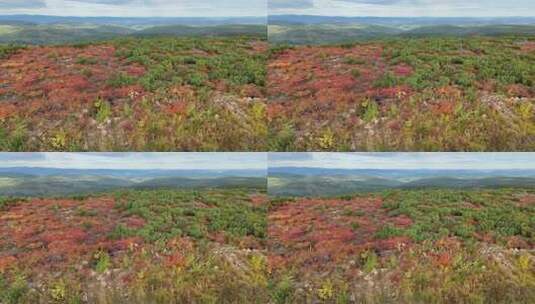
425 94
428 246
142 94
161 246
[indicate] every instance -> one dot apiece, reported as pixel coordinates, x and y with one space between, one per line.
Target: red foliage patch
318 234
7 110
307 71
132 92
402 70
177 108
134 70
6 262
515 242
527 200
135 222
49 235
258 47
518 90
311 86
50 80
446 249
397 92
528 46
258 200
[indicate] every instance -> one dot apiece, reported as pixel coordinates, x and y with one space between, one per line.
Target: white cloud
480 161
294 4
9 4
259 161
215 161
137 8
407 8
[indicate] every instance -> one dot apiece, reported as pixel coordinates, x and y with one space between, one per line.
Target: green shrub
120 80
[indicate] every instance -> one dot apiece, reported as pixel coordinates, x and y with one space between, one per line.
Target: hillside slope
404 94
432 246
135 247
135 94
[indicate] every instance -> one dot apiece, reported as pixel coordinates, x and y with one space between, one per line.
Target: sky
405 8
259 161
226 8
475 161
136 8
186 161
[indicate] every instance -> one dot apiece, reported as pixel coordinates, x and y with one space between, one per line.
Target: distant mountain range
281 181
398 173
58 182
397 21
332 182
131 21
37 171
30 29
300 29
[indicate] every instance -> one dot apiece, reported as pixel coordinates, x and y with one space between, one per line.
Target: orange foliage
258 200
314 85
319 234
6 262
48 80
53 234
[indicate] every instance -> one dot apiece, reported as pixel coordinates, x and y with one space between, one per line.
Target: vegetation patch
404 246
405 94
135 94
159 246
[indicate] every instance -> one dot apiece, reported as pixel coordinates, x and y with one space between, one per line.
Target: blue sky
404 8
136 8
479 161
212 161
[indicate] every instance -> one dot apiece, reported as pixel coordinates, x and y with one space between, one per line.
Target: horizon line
260 16
141 17
442 169
135 169
416 16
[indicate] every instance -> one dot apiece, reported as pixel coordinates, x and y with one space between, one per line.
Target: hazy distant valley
323 30
332 182
57 182
25 29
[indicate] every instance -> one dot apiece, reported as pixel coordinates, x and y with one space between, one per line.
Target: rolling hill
217 30
24 29
342 182
396 21
130 21
61 33
327 30
57 182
